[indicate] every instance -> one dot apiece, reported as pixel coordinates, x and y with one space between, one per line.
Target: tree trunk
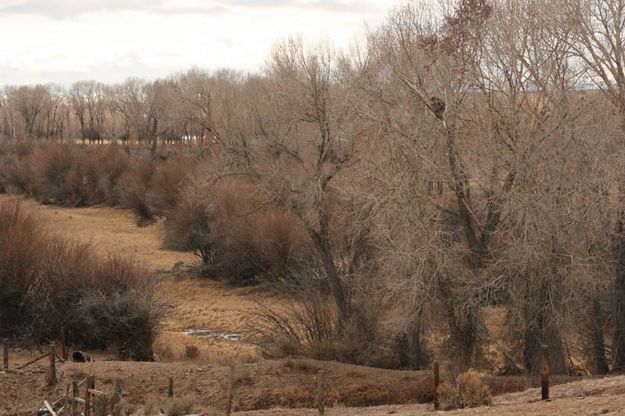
466 324
154 136
321 241
619 295
541 330
336 286
463 324
598 342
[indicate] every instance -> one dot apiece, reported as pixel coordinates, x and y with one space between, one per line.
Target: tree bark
336 286
619 295
598 342
541 330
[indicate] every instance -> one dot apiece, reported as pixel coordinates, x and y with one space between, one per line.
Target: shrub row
238 236
238 233
47 283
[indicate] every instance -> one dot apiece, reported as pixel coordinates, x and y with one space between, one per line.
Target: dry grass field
191 303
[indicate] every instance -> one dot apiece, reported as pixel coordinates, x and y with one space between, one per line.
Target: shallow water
207 333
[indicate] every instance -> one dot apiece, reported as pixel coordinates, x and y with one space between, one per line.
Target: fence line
72 405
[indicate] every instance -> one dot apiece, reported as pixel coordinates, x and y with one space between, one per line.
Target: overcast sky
109 40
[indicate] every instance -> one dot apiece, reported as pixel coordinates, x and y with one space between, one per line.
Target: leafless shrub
237 235
48 283
180 406
24 148
133 189
310 328
191 352
188 227
122 321
167 183
69 175
24 252
468 390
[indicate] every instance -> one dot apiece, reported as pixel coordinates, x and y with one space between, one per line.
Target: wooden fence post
75 391
436 380
5 353
230 390
52 369
89 385
104 404
63 344
118 390
170 388
321 393
66 400
544 391
75 407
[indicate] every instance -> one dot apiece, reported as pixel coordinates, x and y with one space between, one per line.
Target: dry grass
469 390
173 346
111 231
206 304
193 303
179 406
262 385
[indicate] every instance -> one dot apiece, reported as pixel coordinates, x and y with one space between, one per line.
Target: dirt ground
260 384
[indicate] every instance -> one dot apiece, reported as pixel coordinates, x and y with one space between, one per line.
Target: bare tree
599 45
145 106
88 105
306 137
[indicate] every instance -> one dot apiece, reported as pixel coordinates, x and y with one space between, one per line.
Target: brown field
260 383
191 303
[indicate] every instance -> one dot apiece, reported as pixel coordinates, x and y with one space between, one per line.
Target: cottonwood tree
35 105
305 140
8 115
88 101
484 97
145 106
599 28
430 62
197 92
215 108
528 86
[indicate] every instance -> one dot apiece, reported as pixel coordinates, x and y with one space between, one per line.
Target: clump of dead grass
180 406
175 346
468 390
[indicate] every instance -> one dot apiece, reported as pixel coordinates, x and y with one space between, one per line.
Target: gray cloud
59 9
105 71
342 6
